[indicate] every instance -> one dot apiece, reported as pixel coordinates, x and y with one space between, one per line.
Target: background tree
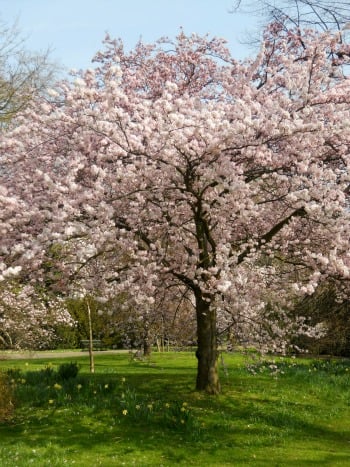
23 73
23 317
169 321
329 306
323 14
174 163
28 319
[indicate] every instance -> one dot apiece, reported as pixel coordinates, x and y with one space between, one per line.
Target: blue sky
74 29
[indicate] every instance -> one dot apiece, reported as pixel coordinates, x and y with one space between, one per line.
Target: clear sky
74 29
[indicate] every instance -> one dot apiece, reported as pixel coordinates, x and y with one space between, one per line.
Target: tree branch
266 238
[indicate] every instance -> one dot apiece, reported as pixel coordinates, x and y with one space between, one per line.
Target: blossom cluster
174 164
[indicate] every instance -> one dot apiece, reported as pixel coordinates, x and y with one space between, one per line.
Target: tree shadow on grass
289 431
108 435
92 421
95 434
237 426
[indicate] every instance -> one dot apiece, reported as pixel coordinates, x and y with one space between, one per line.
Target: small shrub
68 371
6 399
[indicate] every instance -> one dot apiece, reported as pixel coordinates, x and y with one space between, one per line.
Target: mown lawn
146 413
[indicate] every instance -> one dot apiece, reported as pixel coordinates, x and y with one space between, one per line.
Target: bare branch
317 14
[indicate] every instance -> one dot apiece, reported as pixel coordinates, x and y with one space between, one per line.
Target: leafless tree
324 14
22 73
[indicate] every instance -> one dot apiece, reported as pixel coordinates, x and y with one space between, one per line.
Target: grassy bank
143 413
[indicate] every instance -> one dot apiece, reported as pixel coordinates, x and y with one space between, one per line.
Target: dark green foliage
40 386
67 371
103 325
43 376
6 398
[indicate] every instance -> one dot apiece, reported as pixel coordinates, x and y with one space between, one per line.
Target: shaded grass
285 414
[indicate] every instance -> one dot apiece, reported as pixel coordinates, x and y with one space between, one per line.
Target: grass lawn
146 413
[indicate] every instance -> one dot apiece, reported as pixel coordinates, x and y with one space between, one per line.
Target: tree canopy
174 165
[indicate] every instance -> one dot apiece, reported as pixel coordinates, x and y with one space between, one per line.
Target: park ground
145 412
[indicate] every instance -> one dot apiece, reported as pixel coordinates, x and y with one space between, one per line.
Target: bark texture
207 353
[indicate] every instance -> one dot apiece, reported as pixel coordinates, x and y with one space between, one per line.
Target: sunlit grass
277 412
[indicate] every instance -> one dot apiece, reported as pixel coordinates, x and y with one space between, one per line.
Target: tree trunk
147 347
207 353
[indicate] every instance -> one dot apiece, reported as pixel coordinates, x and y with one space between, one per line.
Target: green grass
283 413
